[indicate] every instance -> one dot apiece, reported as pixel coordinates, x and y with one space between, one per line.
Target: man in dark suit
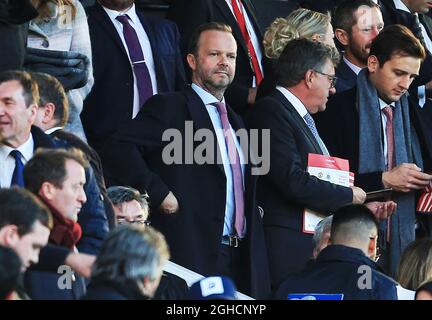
204 207
135 56
189 14
371 125
305 80
356 24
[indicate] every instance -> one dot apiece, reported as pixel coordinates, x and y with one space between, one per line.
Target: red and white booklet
331 169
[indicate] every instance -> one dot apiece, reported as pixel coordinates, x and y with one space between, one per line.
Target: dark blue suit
111 100
346 77
338 270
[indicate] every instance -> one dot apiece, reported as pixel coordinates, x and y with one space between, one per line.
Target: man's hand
81 263
359 196
252 95
382 210
169 204
406 177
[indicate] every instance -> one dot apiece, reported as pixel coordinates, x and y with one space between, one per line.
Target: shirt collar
53 129
26 149
206 97
297 104
353 67
131 13
401 6
384 104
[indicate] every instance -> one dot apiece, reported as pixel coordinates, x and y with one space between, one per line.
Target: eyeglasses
139 221
331 78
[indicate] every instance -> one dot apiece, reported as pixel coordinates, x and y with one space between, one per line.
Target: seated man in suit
356 23
346 268
203 202
372 126
305 73
134 57
240 16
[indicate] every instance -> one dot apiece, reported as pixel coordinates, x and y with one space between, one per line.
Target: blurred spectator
130 264
301 23
10 271
52 116
147 61
57 177
415 266
241 17
321 236
346 267
61 26
213 288
424 292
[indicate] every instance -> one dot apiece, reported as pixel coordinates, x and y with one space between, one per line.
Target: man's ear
191 60
372 63
342 36
33 112
9 235
372 248
48 112
47 190
308 78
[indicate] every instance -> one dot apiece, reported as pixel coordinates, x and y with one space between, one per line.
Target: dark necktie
136 55
418 30
234 160
17 176
251 51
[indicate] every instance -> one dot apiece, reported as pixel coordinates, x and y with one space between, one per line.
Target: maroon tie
234 160
136 55
251 51
388 111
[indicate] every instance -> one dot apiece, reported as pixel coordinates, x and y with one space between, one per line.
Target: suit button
45 43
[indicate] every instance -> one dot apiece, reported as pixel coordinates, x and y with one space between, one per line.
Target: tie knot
16 154
220 107
388 111
124 18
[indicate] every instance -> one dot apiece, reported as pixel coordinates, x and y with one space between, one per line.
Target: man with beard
356 24
372 125
134 57
204 207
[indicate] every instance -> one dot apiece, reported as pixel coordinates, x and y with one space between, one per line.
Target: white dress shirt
352 66
7 161
145 47
252 34
208 99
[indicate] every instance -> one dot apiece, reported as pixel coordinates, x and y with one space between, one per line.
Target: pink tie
234 160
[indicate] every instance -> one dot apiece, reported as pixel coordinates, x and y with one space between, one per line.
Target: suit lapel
104 20
427 23
298 121
250 9
200 116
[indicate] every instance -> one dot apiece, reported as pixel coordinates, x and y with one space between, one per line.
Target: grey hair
130 254
121 194
322 227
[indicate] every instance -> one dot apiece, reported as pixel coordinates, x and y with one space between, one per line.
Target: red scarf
65 232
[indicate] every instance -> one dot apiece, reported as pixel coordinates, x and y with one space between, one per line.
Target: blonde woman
301 23
415 266
62 26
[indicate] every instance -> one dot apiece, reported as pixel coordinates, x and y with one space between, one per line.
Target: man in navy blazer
114 97
191 199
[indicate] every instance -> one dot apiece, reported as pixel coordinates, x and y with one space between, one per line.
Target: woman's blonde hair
301 23
415 266
45 12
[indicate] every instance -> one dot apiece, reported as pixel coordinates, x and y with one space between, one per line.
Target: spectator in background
321 237
10 271
415 266
57 177
424 292
135 57
339 267
301 23
213 288
62 26
130 264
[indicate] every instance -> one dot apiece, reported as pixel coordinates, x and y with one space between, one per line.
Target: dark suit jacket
111 100
189 14
346 78
287 189
134 157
